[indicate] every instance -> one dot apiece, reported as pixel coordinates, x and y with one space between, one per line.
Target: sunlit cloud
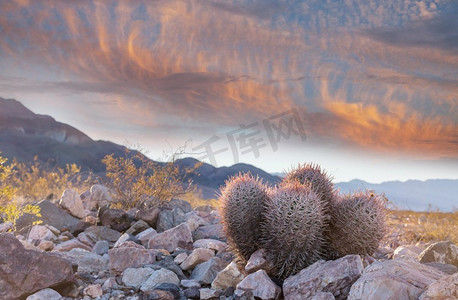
361 74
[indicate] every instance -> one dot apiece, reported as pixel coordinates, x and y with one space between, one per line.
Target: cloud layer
381 75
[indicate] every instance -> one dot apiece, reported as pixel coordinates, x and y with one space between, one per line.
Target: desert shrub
242 208
11 211
136 181
29 182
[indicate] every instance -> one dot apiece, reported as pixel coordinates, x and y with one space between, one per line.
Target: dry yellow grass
411 226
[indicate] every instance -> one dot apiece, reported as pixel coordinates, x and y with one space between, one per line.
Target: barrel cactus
357 223
292 231
312 174
242 208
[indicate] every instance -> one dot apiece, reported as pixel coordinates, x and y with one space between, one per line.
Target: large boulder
444 288
71 201
52 215
170 218
179 236
441 252
394 280
335 276
23 272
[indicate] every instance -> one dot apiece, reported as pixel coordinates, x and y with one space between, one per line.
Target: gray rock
210 244
172 238
442 252
335 276
446 268
45 294
212 231
101 247
88 239
146 235
444 288
406 252
323 296
260 285
197 256
228 277
5 227
194 220
164 221
71 201
23 272
189 283
86 261
393 280
184 205
158 277
137 227
51 214
167 263
192 293
206 272
169 287
208 294
135 277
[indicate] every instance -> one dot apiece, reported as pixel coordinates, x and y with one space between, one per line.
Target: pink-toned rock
442 252
71 244
335 276
122 258
210 244
93 291
260 285
257 261
148 215
40 232
444 288
71 201
23 272
180 258
393 280
146 235
228 277
172 238
197 256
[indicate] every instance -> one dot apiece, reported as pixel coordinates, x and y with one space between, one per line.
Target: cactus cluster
300 221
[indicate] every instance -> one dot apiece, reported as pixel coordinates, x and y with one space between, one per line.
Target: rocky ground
176 252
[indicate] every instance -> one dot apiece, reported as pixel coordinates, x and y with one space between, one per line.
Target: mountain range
25 135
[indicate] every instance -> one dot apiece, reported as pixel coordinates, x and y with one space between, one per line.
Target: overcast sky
367 88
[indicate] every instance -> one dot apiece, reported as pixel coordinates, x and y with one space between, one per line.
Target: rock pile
84 251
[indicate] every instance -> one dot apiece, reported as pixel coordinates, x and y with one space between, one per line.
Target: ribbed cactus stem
242 209
293 229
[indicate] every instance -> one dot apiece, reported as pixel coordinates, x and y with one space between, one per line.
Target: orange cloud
214 63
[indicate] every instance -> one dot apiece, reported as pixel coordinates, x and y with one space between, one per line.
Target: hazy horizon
367 90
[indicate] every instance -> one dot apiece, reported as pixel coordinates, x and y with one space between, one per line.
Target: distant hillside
24 135
412 194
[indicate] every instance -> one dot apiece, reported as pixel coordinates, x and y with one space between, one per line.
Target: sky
368 89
